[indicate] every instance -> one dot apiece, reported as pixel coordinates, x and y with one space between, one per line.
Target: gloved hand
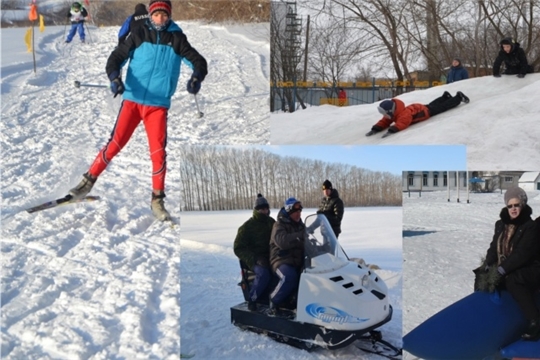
263 262
521 76
194 83
496 75
117 86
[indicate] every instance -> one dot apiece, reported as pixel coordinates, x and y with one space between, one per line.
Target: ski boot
464 98
371 132
446 95
158 207
533 331
84 187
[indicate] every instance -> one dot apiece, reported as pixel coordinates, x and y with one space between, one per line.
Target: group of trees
398 37
229 178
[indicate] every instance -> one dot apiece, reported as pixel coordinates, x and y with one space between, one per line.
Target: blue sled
522 349
475 327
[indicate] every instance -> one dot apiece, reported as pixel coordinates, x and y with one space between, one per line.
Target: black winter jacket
332 208
515 61
253 239
287 241
525 241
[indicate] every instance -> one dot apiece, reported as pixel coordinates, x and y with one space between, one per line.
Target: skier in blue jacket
457 72
155 52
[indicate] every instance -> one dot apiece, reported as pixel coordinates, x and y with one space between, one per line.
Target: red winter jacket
404 116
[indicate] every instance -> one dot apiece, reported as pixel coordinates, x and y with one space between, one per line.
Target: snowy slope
497 126
452 238
101 280
210 273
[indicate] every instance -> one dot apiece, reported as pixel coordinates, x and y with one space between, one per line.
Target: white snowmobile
338 301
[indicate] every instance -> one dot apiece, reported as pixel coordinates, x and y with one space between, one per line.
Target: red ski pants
155 123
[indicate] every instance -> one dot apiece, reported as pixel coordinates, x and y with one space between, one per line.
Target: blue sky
393 159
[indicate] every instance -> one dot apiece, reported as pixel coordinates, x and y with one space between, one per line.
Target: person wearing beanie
398 117
132 22
153 53
287 252
513 259
514 59
457 72
332 207
77 15
252 247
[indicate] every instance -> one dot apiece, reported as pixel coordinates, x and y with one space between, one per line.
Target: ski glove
117 86
521 76
496 75
194 83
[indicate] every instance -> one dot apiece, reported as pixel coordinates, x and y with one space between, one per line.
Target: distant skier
395 111
252 246
76 14
514 59
457 72
132 22
342 97
331 207
287 251
155 52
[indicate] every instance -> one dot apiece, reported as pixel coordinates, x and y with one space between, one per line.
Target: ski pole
201 114
78 84
88 30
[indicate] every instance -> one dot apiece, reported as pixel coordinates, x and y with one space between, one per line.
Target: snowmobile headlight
365 280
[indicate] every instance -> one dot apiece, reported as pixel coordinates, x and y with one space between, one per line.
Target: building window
410 180
424 180
508 179
445 179
435 180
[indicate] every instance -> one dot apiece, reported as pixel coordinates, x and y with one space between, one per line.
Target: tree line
229 178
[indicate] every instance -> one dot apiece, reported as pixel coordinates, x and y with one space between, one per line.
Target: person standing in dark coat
332 207
513 259
514 59
457 72
287 251
132 22
252 246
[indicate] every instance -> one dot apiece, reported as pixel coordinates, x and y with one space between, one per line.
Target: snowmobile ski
186 356
374 344
68 199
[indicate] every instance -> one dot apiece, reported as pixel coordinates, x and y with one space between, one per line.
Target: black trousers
522 284
442 104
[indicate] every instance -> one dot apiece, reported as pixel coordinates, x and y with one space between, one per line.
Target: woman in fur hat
513 259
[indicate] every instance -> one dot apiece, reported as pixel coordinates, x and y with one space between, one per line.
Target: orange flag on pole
33 15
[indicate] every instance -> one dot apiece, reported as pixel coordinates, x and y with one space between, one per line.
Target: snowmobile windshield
321 240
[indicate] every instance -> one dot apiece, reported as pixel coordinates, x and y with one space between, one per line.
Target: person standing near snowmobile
514 59
155 52
132 22
76 14
287 250
457 72
395 111
252 246
513 259
331 207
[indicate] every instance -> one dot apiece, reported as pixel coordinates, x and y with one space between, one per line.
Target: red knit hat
160 5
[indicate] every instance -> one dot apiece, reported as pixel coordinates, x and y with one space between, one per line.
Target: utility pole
306 50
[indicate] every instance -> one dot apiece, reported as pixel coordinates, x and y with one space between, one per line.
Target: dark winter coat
525 241
287 241
253 239
515 61
332 207
457 73
403 117
154 63
132 23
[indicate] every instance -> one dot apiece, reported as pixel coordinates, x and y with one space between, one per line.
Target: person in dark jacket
287 250
395 112
76 14
155 52
252 246
513 258
332 207
132 22
457 72
514 58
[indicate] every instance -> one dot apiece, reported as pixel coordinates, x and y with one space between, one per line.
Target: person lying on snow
394 111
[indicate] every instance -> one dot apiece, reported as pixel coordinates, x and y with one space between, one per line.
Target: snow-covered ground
101 280
499 126
210 274
443 242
